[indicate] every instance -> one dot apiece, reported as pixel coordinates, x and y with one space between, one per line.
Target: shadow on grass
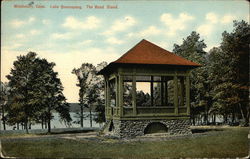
67 132
204 130
194 131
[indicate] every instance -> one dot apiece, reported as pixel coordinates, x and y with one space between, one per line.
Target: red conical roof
146 52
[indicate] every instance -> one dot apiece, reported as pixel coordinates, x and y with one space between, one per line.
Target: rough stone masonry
134 128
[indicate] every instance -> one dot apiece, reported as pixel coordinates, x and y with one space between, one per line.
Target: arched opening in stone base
155 127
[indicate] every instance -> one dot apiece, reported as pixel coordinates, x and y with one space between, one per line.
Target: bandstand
147 90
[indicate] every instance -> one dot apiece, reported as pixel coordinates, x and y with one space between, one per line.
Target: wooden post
162 92
121 95
182 91
108 99
188 94
176 95
152 90
134 95
166 92
116 95
106 95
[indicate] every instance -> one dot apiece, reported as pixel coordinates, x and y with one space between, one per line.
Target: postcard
124 79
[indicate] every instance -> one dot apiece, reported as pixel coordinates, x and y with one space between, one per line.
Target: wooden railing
161 110
155 110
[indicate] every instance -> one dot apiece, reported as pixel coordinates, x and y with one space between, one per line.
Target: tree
91 90
192 49
3 101
84 75
49 93
100 101
230 68
35 90
20 109
215 70
142 99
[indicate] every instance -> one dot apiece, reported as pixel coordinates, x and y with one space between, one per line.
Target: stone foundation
133 128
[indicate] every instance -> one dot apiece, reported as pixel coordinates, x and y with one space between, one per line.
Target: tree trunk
49 118
248 116
214 119
4 125
205 119
45 122
193 120
233 117
26 126
90 116
206 115
3 118
17 125
199 119
49 126
42 123
225 119
81 115
245 116
247 119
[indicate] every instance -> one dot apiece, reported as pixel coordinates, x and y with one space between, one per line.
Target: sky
80 34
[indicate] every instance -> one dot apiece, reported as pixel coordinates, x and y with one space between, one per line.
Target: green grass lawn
229 142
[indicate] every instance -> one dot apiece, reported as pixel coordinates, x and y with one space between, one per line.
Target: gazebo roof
147 53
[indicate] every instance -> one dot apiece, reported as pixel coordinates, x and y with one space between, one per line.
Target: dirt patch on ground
149 137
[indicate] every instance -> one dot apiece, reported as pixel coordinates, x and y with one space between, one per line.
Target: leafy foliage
35 90
3 100
91 89
192 49
229 70
221 85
